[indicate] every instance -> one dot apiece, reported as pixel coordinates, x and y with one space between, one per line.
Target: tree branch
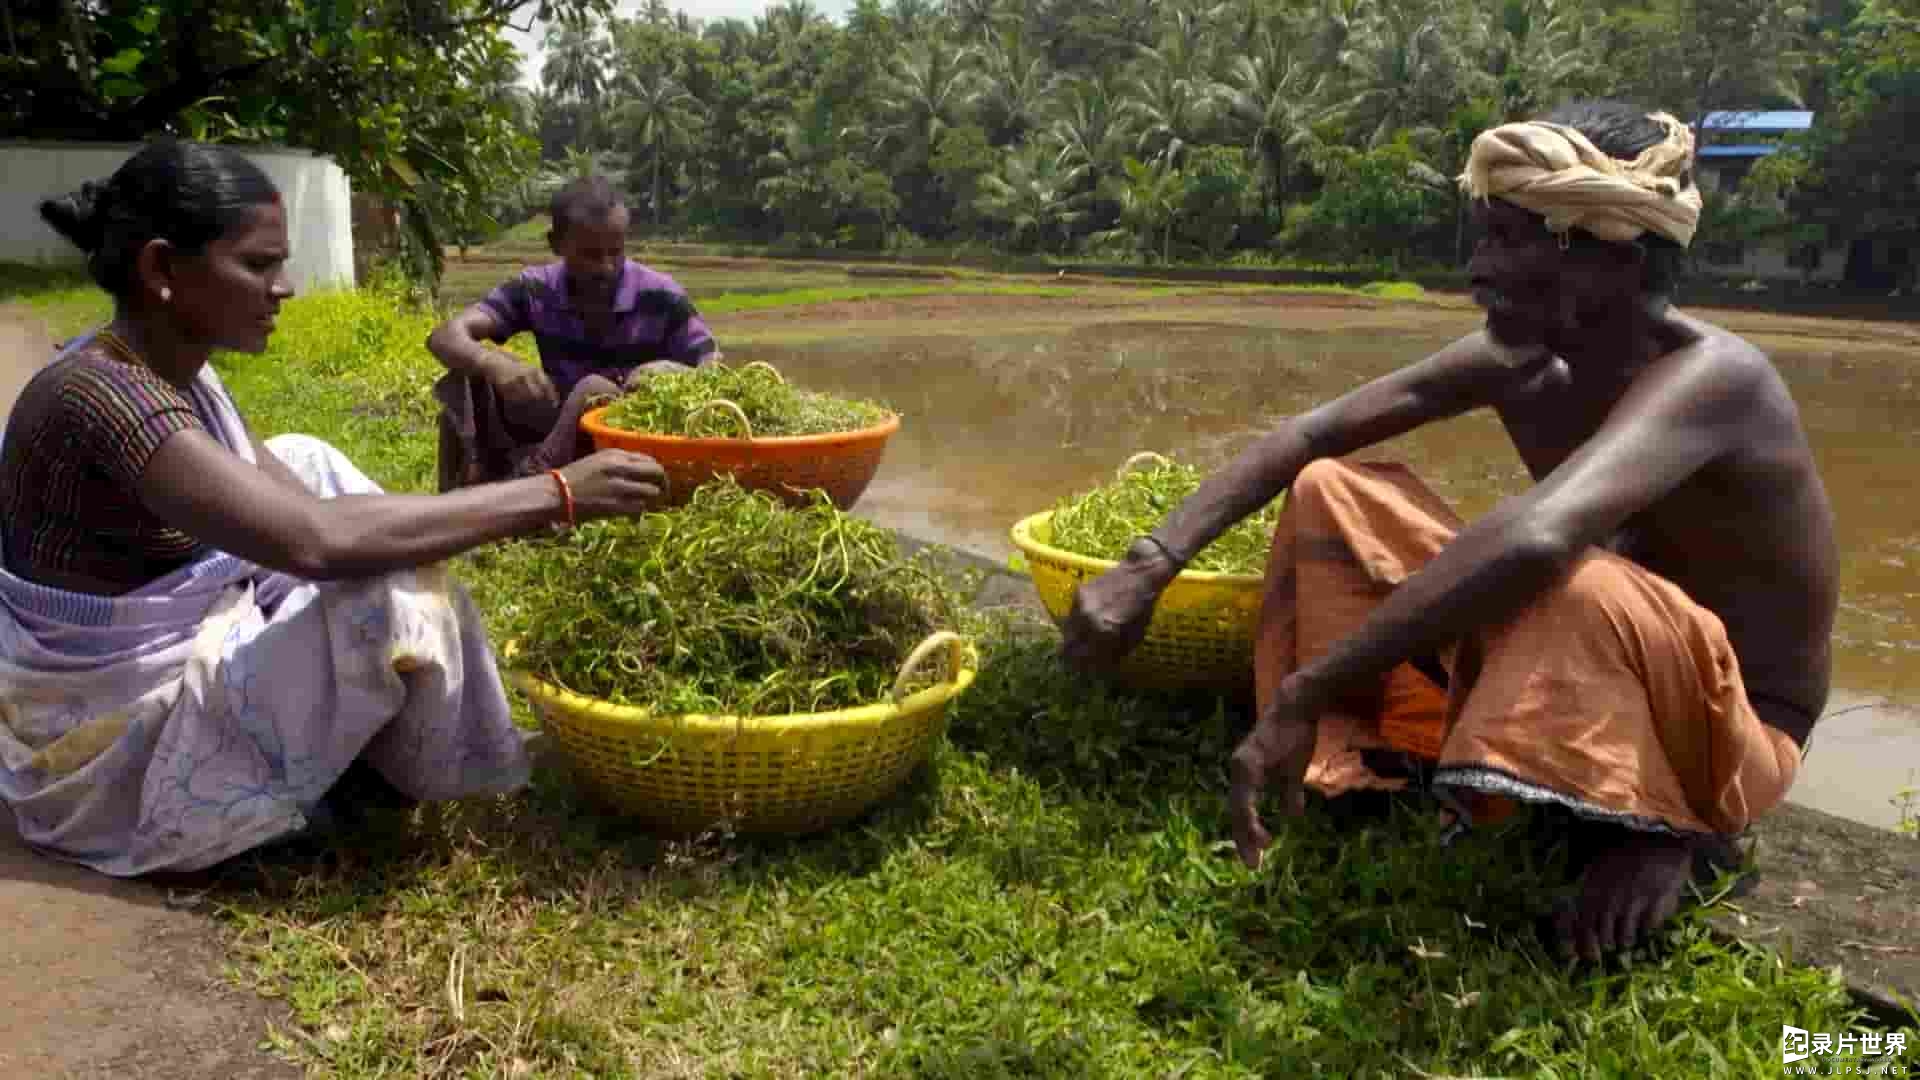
154 108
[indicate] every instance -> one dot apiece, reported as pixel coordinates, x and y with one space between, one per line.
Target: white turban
1556 172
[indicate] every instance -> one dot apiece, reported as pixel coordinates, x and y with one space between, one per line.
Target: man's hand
1278 750
517 383
613 483
648 370
1111 613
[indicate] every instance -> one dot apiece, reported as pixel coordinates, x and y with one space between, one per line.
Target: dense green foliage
1316 129
1313 128
416 99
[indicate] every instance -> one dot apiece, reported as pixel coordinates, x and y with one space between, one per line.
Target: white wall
314 189
1768 263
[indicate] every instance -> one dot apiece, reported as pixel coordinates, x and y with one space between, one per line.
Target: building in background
1731 142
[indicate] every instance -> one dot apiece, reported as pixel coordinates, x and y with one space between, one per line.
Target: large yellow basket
754 774
1203 627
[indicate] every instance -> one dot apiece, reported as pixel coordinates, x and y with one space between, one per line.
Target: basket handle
771 370
956 657
739 414
1140 458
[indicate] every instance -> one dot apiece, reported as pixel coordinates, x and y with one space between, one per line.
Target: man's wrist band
1164 549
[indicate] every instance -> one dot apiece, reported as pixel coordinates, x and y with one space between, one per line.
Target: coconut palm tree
973 19
929 88
1171 96
1090 125
1167 108
1539 50
912 17
1403 71
1335 22
1013 85
658 115
576 67
575 72
811 178
1149 196
1035 195
1273 97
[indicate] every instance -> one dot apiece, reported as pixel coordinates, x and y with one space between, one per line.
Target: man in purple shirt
602 322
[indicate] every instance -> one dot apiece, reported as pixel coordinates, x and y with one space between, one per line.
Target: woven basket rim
1026 537
641 721
590 423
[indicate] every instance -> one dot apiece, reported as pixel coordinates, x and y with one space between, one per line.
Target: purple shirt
652 320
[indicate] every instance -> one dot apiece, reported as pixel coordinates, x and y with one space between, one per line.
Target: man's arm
1681 414
1110 613
1468 374
687 338
462 342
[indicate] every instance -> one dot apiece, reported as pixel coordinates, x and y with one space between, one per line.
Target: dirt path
24 347
100 977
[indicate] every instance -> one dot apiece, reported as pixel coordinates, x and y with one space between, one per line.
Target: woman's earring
166 294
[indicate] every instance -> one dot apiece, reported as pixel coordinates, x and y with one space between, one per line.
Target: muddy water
1000 425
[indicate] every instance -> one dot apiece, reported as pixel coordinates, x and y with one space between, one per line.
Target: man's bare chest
1554 412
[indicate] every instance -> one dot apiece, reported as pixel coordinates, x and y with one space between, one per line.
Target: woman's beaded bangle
566 494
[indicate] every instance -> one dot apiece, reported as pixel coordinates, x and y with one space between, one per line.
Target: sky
529 43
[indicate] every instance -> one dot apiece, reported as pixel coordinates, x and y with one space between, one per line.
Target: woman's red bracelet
566 494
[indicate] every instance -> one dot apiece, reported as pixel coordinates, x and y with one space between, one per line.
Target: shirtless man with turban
1641 638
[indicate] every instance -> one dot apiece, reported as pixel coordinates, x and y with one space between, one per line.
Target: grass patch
738 302
1052 897
1394 290
60 295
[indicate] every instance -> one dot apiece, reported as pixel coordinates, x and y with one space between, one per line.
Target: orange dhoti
1613 694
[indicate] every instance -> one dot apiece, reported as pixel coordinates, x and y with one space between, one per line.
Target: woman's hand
615 483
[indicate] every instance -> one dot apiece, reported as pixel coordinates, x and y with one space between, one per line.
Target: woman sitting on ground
201 633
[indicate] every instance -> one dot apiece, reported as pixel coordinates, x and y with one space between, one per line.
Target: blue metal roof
1746 151
1761 120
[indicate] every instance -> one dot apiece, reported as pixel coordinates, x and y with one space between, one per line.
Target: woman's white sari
207 712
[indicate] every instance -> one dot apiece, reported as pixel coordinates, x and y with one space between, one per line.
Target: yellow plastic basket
756 774
1203 627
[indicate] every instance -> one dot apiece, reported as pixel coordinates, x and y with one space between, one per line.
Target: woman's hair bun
80 216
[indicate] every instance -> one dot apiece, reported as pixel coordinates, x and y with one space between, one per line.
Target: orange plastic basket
840 463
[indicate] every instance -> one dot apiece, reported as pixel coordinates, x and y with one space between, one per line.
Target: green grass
1052 896
736 302
62 296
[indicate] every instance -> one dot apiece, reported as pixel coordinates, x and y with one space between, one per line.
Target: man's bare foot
1633 883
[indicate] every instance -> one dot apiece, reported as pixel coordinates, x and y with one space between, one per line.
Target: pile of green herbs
665 404
1102 523
734 604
